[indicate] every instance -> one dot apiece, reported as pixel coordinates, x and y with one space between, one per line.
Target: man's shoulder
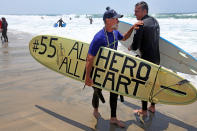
116 31
150 20
99 35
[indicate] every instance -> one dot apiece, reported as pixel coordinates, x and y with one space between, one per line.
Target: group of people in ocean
61 23
3 29
146 39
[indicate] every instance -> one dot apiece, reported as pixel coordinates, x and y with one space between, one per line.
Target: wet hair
143 5
107 8
3 19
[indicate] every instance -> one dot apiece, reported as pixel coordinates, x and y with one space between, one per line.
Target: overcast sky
92 6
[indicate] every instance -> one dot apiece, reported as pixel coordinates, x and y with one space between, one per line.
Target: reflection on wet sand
34 98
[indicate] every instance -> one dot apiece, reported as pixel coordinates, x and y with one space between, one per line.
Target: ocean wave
159 16
177 15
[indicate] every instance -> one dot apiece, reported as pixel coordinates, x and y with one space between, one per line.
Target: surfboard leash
153 87
166 87
171 89
84 86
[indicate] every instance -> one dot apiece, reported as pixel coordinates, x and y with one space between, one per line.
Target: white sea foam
182 32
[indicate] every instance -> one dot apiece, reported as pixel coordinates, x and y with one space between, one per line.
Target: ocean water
180 29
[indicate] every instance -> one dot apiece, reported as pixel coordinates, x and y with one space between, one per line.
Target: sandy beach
34 98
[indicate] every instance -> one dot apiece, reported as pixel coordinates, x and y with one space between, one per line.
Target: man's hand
89 63
136 27
129 48
89 82
137 24
129 32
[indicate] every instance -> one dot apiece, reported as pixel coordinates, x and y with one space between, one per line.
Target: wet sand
34 98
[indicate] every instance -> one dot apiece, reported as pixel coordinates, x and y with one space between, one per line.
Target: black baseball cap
110 13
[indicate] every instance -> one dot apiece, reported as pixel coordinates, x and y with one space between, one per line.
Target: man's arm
137 39
89 63
128 33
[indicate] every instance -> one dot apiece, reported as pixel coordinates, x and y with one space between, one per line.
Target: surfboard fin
99 93
84 87
183 82
121 98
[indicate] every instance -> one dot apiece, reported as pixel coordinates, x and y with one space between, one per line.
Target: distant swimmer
91 20
60 21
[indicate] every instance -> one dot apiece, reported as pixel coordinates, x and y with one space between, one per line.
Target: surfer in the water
91 20
106 37
60 21
146 39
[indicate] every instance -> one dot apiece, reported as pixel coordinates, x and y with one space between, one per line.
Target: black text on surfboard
109 62
43 47
77 52
106 70
107 73
113 71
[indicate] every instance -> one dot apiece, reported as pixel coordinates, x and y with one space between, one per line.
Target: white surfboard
171 56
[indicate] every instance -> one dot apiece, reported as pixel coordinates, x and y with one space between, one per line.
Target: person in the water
60 21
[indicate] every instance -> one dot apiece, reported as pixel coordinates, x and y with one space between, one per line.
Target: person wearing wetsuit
60 21
1 28
106 37
0 25
146 39
91 20
4 29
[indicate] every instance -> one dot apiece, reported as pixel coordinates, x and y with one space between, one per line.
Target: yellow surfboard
113 71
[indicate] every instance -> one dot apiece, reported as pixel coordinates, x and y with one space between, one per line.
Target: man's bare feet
96 114
152 109
117 122
141 112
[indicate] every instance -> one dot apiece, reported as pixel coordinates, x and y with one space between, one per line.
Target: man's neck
144 16
108 29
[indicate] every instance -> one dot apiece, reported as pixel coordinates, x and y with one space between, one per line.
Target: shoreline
33 97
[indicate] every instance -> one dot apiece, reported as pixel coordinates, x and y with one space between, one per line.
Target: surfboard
56 25
64 25
171 56
113 71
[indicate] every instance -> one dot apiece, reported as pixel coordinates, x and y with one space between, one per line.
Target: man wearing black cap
106 37
146 39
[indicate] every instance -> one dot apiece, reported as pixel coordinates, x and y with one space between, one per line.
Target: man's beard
115 26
